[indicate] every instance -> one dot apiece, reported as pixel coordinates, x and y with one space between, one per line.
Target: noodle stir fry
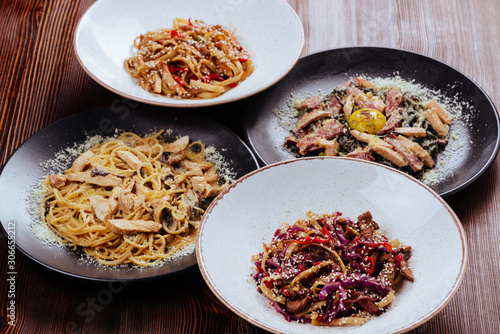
330 270
193 60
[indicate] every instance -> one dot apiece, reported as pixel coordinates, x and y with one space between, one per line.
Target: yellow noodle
69 212
205 60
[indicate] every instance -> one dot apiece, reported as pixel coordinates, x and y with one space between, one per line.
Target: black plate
24 170
478 136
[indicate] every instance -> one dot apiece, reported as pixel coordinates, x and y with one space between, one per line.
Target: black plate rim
303 58
82 114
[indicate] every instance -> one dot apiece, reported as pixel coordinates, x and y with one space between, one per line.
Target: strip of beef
310 103
297 306
335 106
327 131
393 100
309 117
363 154
362 300
412 159
406 271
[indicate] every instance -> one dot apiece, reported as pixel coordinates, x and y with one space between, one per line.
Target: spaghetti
193 60
132 199
330 270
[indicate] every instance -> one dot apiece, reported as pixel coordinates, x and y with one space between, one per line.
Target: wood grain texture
41 82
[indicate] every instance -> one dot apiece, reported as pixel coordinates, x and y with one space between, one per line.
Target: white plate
247 214
269 29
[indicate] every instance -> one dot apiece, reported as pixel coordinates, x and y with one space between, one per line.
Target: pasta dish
192 60
132 199
358 119
331 270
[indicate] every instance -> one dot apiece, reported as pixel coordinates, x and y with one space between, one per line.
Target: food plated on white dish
285 192
110 32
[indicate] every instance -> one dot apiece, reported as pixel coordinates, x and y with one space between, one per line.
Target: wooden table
41 81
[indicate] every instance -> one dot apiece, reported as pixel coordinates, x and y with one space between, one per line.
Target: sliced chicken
125 226
57 181
177 146
101 207
362 82
109 180
81 162
130 197
130 159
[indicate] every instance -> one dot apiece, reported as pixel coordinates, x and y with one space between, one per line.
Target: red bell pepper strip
174 33
397 260
179 80
261 271
245 56
232 85
190 23
369 246
309 240
372 264
212 76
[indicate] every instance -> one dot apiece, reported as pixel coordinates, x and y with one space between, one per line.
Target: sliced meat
362 300
363 83
199 184
411 132
81 162
411 158
101 207
390 155
311 116
393 100
310 103
331 146
370 101
131 197
177 146
291 139
172 84
348 105
109 180
440 112
125 226
406 271
297 306
421 153
57 181
130 159
327 131
335 106
387 274
361 153
435 122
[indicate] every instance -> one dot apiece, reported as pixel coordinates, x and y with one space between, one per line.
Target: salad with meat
331 270
359 120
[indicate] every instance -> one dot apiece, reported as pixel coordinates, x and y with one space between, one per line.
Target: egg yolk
367 120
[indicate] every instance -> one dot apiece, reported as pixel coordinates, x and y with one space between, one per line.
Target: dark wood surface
41 81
